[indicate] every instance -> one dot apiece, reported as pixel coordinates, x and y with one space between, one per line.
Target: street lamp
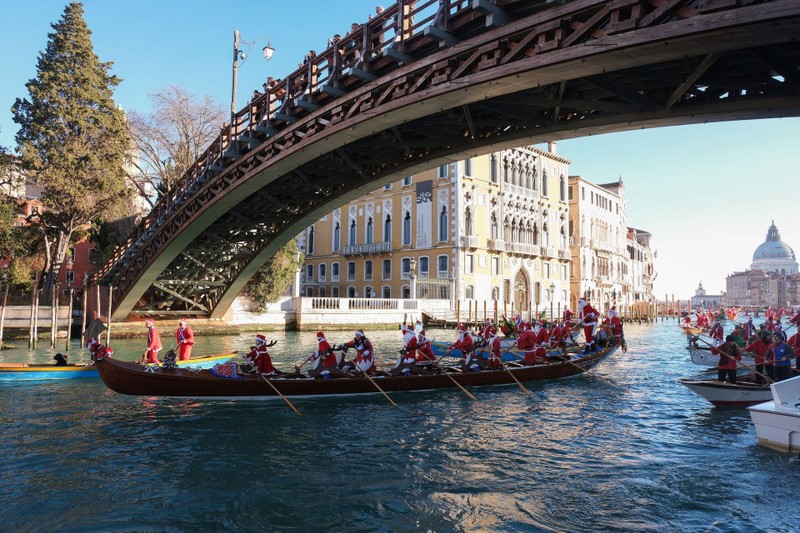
238 54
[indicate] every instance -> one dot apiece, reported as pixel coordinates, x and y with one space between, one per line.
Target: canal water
627 449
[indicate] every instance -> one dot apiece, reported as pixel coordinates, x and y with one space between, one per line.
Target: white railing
372 248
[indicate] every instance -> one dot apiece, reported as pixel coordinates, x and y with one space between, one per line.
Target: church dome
774 247
774 255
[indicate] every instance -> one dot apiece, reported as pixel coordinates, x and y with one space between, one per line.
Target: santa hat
149 323
359 333
320 335
182 322
260 339
404 328
462 327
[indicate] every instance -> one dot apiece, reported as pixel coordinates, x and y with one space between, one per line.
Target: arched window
423 267
494 228
535 234
322 292
310 243
351 292
323 272
387 291
367 270
468 222
405 268
443 230
407 229
370 231
368 292
442 266
387 229
544 183
335 292
337 237
493 169
563 189
352 232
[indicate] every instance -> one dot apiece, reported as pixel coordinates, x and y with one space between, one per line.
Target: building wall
491 228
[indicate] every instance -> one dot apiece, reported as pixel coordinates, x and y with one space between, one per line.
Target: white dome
774 255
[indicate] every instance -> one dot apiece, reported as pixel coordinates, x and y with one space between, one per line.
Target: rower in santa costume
365 358
153 342
407 363
487 330
616 322
425 356
541 342
323 362
588 316
259 356
527 343
185 339
493 343
716 333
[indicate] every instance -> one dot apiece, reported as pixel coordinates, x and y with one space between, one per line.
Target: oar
745 365
521 386
457 384
285 399
374 383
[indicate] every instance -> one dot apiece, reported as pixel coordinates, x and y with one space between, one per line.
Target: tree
72 137
172 137
272 279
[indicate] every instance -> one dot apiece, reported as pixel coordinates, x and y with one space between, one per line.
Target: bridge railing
317 80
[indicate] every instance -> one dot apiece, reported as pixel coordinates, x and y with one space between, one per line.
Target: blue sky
707 193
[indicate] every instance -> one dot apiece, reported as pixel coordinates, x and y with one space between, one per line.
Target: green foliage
108 235
72 137
273 279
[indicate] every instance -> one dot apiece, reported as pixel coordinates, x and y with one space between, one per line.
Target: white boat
778 421
702 356
723 394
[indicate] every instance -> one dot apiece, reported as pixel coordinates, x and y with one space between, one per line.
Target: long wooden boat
441 348
132 379
35 372
693 330
744 393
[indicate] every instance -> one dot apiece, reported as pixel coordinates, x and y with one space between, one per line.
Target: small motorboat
777 421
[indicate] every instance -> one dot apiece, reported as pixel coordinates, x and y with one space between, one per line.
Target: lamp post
238 54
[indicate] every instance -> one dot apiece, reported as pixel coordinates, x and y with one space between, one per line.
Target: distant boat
777 421
35 372
744 393
702 356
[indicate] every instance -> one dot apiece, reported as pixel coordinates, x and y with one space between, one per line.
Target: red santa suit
365 359
493 344
542 341
616 323
153 342
465 343
588 316
425 355
527 343
716 333
185 340
260 356
488 330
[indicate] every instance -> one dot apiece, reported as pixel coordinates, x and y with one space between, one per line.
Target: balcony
386 276
549 252
524 249
334 278
564 254
443 274
497 245
469 241
585 241
372 248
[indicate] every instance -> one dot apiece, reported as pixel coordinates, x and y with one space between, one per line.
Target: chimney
551 147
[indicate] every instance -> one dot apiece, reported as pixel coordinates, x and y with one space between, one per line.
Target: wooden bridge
429 82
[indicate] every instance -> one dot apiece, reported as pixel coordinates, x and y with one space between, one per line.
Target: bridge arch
526 72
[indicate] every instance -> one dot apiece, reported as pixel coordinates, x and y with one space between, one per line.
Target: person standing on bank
153 342
185 339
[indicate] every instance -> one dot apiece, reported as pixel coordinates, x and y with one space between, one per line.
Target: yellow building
487 231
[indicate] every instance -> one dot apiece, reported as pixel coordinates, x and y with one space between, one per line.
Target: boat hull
37 372
704 357
723 394
777 421
130 378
